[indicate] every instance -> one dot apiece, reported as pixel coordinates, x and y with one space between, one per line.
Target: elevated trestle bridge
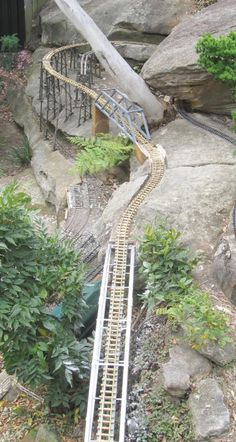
66 80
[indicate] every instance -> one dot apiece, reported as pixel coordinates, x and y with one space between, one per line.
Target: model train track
116 289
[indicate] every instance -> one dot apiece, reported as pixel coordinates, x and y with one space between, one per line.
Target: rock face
219 355
224 266
210 415
173 68
5 383
197 192
51 169
114 209
184 366
45 433
133 20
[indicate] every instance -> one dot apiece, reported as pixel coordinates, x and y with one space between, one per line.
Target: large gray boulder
198 189
51 169
218 354
209 413
184 366
196 193
173 68
224 265
135 20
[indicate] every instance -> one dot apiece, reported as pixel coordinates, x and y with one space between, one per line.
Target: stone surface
133 20
116 205
224 265
173 68
219 355
136 51
209 413
184 366
12 394
196 194
30 436
27 183
5 383
45 433
52 171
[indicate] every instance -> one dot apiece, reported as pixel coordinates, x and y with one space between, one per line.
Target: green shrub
218 56
37 271
200 321
100 153
9 43
22 155
166 267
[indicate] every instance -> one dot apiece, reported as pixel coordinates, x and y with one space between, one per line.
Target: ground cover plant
38 271
168 420
166 267
100 153
22 155
218 56
9 43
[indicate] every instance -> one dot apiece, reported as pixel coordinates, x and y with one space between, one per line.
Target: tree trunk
125 78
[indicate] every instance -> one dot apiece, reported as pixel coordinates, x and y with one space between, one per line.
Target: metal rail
111 349
109 373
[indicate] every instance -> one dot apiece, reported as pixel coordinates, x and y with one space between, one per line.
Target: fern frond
100 153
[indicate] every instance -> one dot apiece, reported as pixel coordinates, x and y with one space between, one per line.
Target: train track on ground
109 375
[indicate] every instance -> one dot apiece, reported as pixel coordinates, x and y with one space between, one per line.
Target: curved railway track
113 344
122 258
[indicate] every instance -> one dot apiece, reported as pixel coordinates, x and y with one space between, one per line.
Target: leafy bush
22 155
36 271
166 267
199 320
9 43
100 153
218 56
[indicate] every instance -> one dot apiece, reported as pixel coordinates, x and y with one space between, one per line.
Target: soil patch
11 136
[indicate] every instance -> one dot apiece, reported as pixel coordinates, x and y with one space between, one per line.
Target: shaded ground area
10 137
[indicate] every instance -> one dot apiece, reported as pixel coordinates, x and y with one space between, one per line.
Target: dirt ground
11 136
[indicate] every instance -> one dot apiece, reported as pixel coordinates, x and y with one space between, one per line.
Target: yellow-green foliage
166 267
